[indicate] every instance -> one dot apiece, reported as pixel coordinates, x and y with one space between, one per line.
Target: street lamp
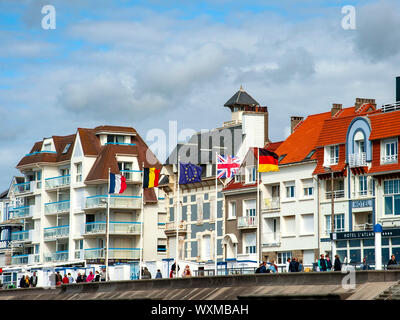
107 218
333 244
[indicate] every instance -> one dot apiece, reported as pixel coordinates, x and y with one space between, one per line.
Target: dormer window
66 148
331 155
389 151
115 139
47 147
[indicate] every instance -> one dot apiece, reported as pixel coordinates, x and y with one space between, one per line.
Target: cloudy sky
144 63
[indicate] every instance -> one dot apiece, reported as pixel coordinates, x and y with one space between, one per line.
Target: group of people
294 265
27 281
58 279
269 267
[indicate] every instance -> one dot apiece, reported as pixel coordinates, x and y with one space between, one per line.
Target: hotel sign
356 204
365 234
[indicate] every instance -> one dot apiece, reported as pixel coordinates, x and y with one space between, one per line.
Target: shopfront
357 245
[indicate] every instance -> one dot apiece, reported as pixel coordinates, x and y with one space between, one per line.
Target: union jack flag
227 167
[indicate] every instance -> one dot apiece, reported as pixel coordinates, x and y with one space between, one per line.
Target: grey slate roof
241 98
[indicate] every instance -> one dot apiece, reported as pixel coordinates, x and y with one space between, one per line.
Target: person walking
322 263
337 265
158 275
33 280
172 274
328 262
58 279
65 279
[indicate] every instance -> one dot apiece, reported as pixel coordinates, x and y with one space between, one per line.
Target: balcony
79 254
113 253
357 160
26 187
57 207
22 236
54 233
271 204
58 256
116 202
271 239
21 212
132 175
57 182
389 159
336 194
363 227
25 259
170 227
247 222
99 227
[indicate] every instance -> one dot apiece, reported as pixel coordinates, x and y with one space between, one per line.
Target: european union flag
189 173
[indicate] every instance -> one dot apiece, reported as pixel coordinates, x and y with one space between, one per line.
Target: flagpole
107 220
141 226
216 213
258 207
177 225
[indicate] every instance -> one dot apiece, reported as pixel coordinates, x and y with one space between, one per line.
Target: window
289 225
250 174
125 168
250 243
363 185
333 154
206 196
310 154
339 223
161 245
290 191
283 256
39 179
115 139
307 223
206 248
360 146
78 167
389 151
66 148
281 158
232 210
308 192
47 147
392 196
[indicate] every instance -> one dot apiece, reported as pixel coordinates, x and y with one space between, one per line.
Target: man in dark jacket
33 280
22 283
293 266
322 263
337 265
392 261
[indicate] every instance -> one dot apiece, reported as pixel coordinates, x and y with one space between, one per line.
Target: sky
145 63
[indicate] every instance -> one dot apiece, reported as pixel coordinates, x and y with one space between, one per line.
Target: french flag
117 183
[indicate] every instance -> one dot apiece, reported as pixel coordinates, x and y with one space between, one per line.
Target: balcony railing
113 253
58 182
114 227
336 194
25 259
363 227
171 226
21 212
54 233
132 175
271 204
389 158
57 207
271 239
357 160
118 202
247 222
25 235
24 187
57 256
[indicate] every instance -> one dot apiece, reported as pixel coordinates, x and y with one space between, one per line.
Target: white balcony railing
58 256
25 187
114 227
57 207
389 159
54 233
363 227
247 222
21 212
132 175
270 204
25 259
271 239
21 236
113 253
357 160
336 194
117 202
58 182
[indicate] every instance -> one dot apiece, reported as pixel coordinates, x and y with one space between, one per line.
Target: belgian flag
150 177
267 161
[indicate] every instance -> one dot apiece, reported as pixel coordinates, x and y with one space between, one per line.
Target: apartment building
62 202
198 220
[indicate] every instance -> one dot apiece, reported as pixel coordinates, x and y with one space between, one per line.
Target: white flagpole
107 221
258 208
216 213
177 226
141 227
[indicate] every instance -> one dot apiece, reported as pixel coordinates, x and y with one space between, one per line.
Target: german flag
268 161
150 177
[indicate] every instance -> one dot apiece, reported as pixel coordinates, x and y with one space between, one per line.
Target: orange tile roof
302 141
385 125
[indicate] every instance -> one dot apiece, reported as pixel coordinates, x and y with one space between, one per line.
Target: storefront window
395 241
355 255
341 244
369 255
342 254
369 243
354 243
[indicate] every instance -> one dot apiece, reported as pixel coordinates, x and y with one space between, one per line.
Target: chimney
294 121
336 107
397 89
361 101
